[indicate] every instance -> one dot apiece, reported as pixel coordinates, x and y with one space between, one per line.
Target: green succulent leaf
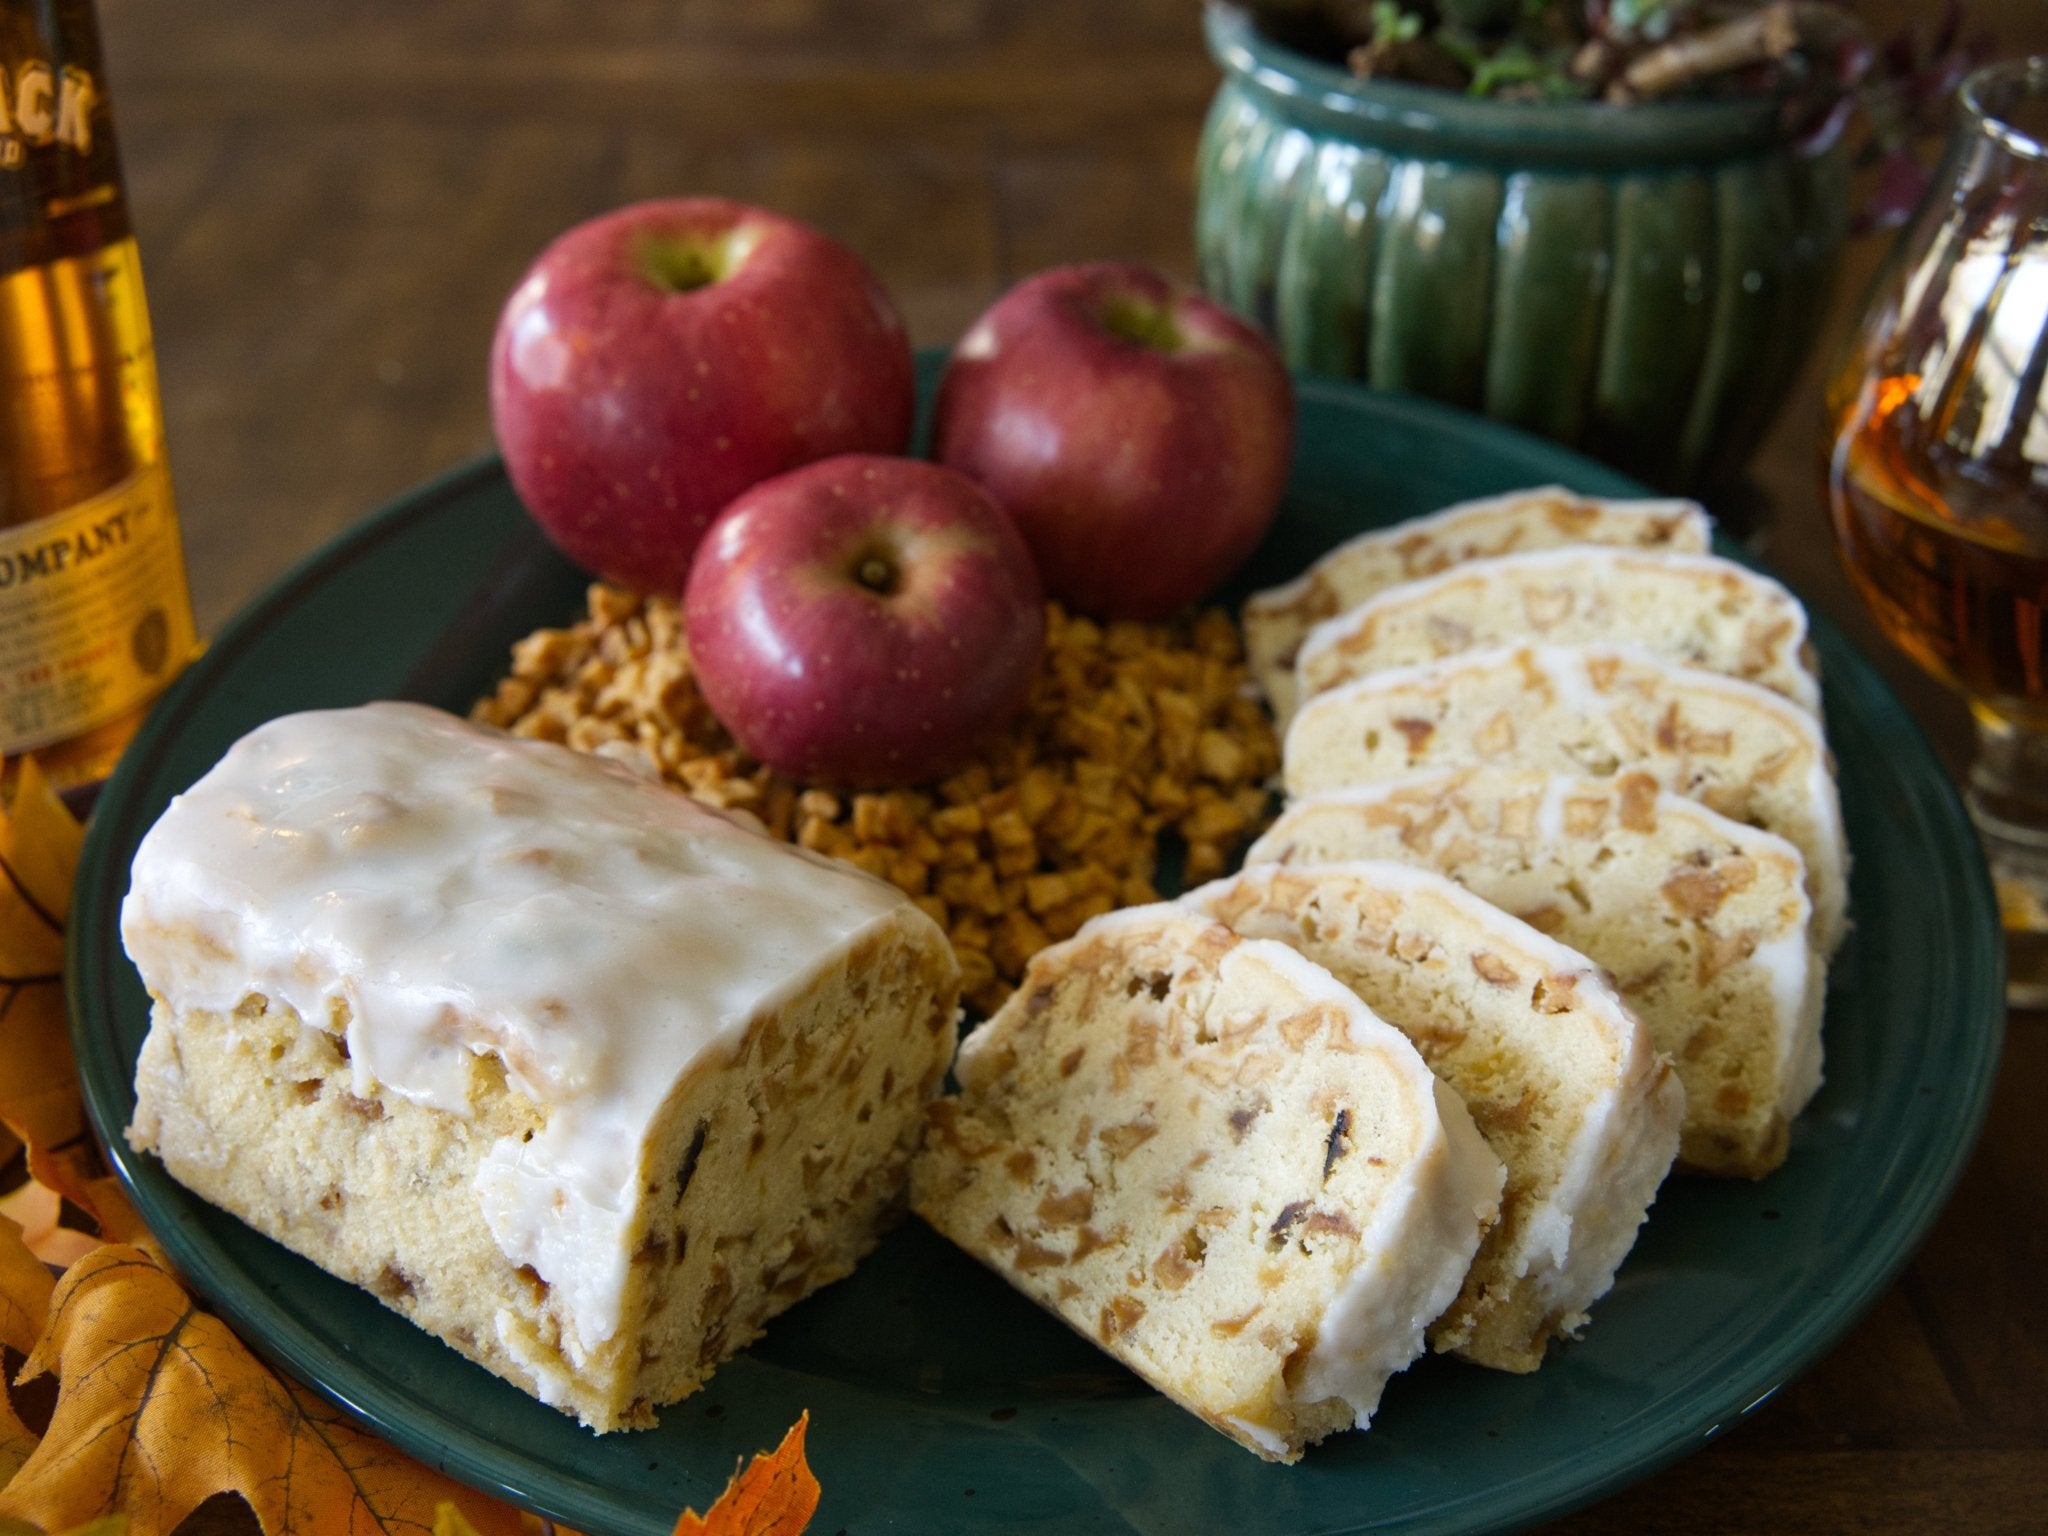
1391 24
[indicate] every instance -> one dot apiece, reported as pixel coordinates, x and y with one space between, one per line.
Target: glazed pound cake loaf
1547 517
1737 748
1560 1077
1705 922
581 1077
1207 1155
1696 610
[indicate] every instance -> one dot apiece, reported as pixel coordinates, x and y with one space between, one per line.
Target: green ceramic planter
1638 282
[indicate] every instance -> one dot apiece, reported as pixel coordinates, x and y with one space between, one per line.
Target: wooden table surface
332 202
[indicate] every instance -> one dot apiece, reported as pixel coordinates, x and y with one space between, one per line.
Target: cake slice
1559 1076
1697 610
1206 1154
1548 517
1739 749
580 1076
1705 922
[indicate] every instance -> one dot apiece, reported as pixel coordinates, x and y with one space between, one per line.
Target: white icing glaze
1617 1159
1375 1324
1274 1445
1798 980
460 893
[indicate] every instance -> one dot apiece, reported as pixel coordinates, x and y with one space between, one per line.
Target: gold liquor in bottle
95 617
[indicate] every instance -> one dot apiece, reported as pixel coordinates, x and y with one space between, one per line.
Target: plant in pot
1612 222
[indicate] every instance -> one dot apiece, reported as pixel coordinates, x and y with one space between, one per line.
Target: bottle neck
60 172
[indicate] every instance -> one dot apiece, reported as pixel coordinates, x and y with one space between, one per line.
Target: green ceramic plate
942 1402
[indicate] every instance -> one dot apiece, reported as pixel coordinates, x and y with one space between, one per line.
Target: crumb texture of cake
1704 922
580 1076
1208 1156
1560 1077
1276 621
1696 610
1738 749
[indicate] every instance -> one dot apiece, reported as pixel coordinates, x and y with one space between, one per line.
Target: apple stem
682 266
877 574
1141 322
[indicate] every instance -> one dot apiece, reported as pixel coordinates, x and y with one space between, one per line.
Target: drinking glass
1938 471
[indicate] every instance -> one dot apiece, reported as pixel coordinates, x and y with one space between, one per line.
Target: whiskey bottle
95 616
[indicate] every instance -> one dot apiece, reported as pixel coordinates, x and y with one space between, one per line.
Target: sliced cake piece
1547 517
1739 749
584 1078
1206 1154
1697 610
1559 1075
1704 921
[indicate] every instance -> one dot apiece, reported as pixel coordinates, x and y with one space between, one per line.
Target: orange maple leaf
774 1495
39 1100
39 1212
25 1286
160 1406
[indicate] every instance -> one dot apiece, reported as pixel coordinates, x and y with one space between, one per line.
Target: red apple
866 621
1138 433
657 361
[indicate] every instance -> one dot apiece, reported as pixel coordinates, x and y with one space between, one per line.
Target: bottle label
93 615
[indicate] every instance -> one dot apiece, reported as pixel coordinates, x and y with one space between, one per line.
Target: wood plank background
333 200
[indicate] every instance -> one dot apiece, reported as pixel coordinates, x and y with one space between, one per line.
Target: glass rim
2030 73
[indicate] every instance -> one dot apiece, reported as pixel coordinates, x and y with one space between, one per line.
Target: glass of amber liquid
1938 471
